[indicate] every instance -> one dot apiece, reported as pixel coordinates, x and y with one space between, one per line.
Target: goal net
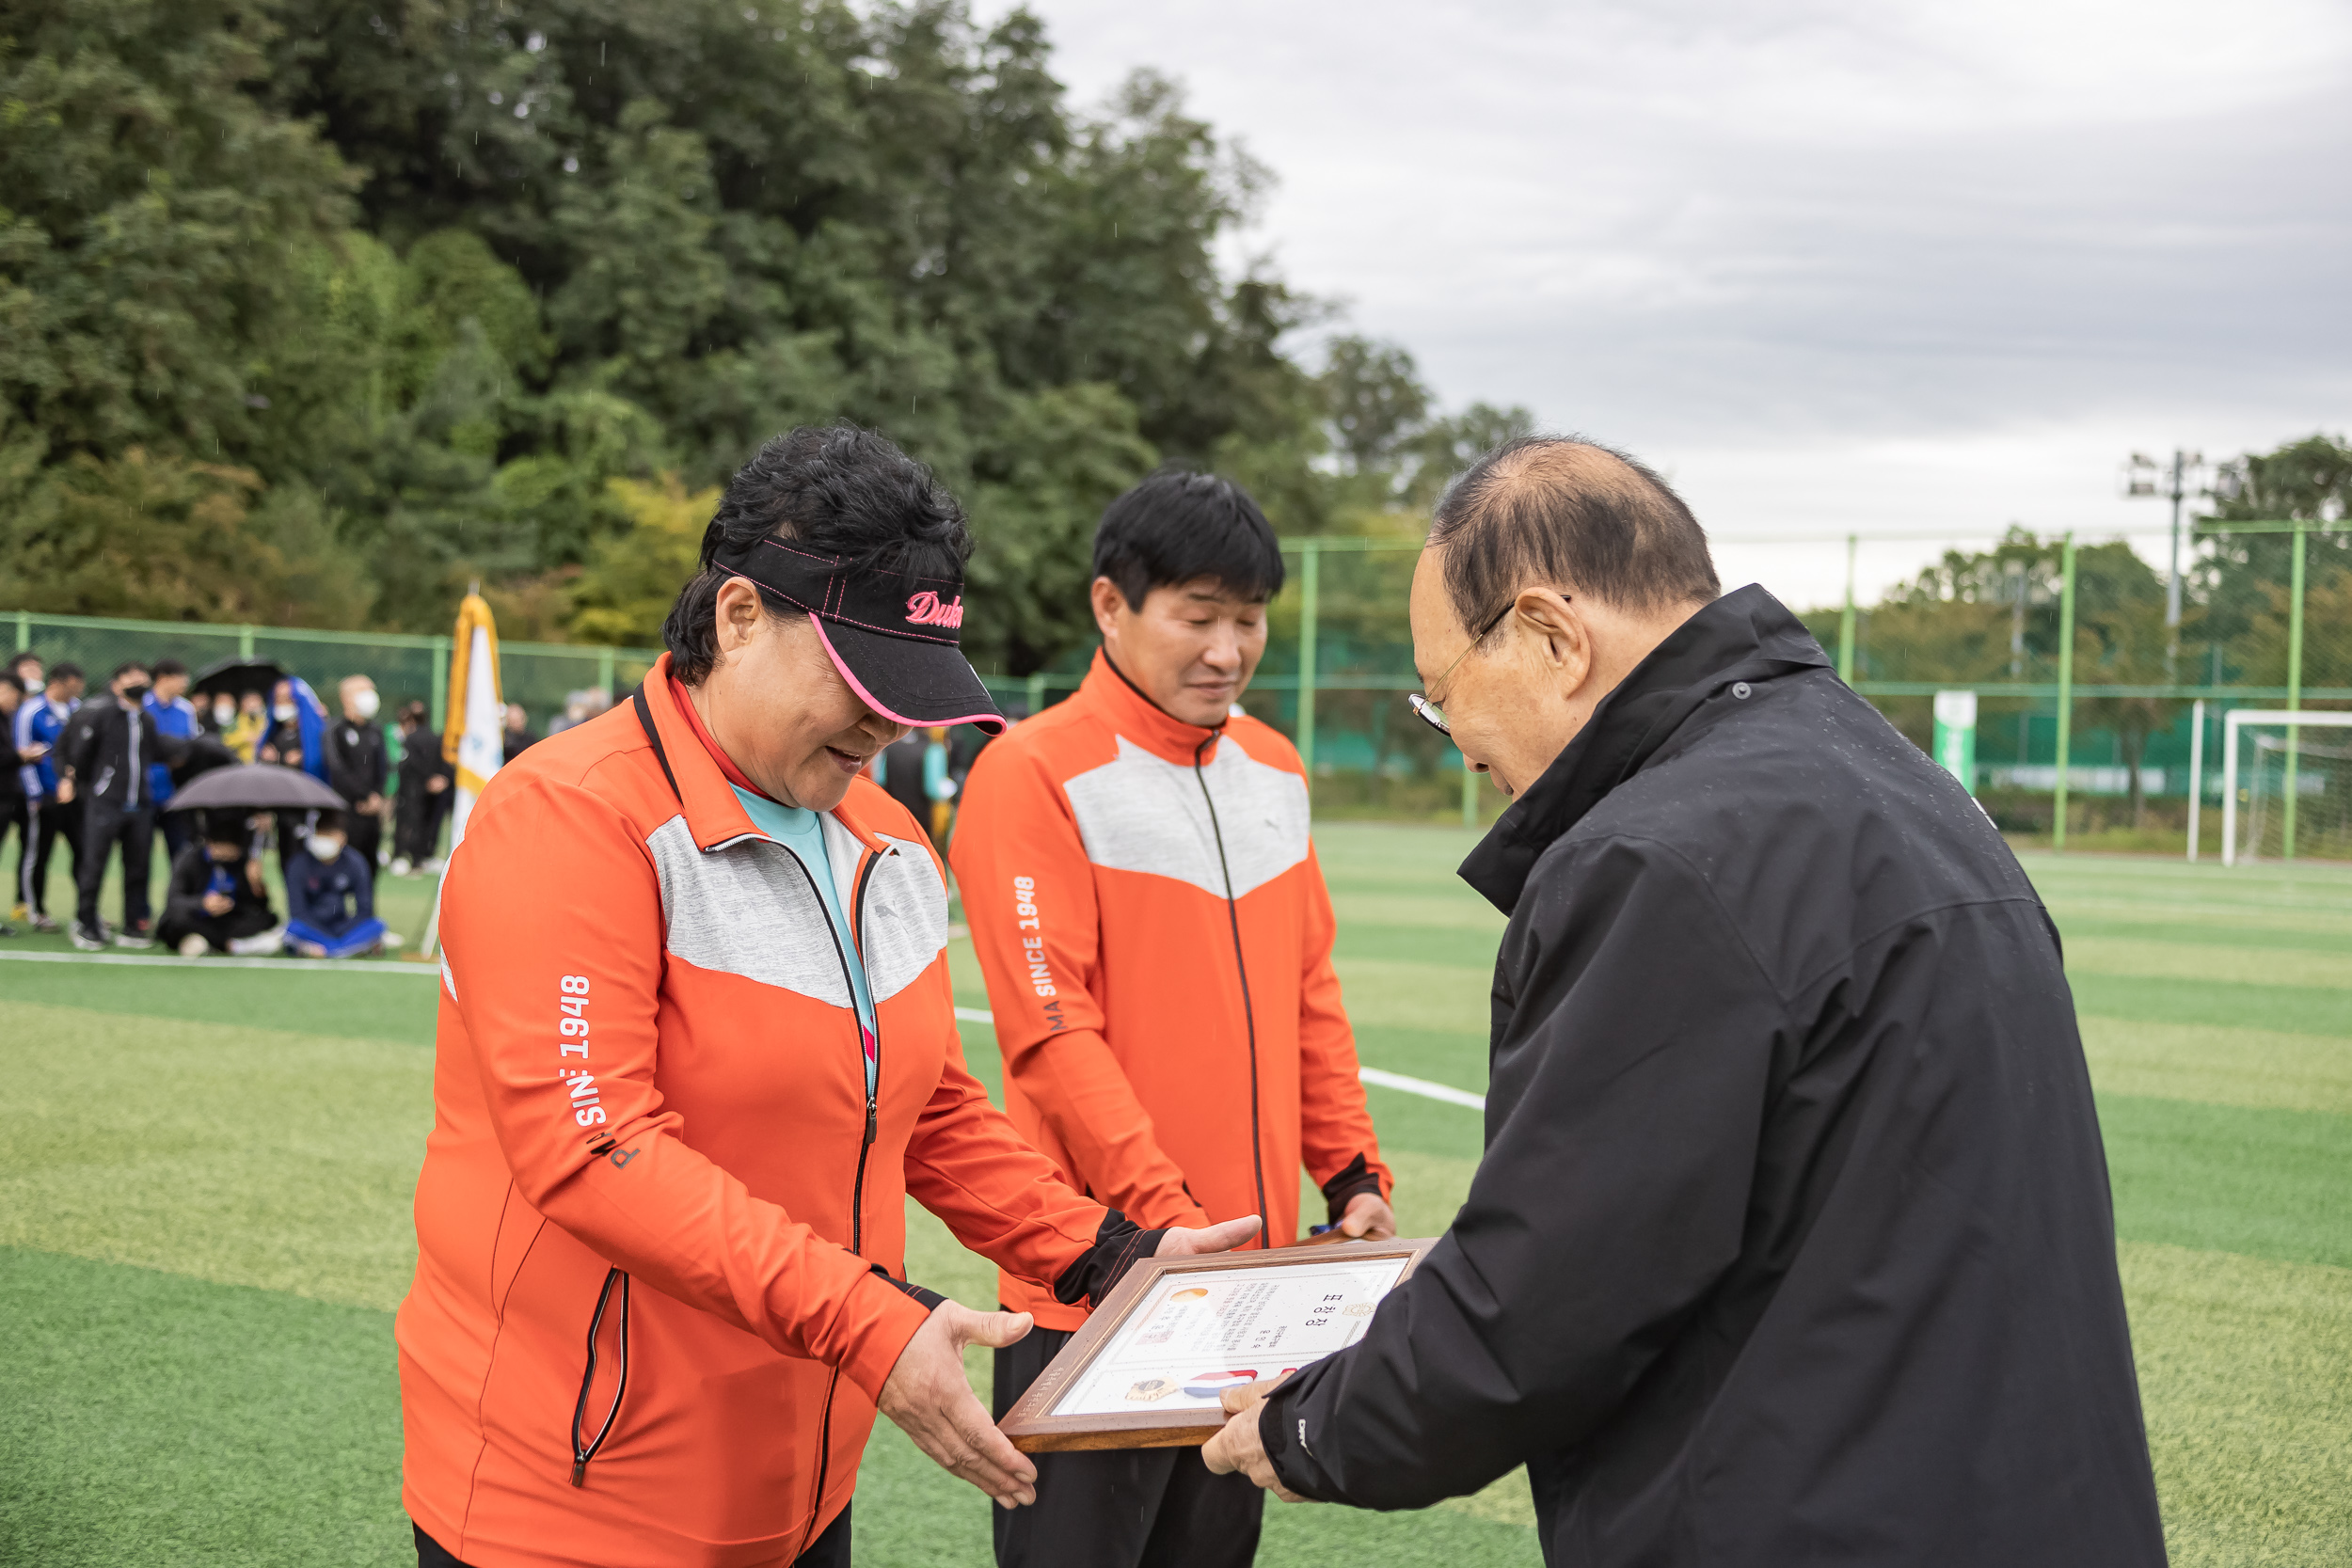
2294 791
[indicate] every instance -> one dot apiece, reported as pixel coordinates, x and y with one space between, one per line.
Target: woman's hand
927 1396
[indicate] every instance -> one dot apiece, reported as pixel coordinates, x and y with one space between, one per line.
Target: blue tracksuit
41 720
333 906
176 719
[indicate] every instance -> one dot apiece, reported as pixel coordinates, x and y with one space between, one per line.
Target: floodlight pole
2295 690
2065 692
2172 577
1845 621
1310 575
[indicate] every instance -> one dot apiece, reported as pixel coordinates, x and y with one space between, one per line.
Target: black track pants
52 822
104 825
1128 1508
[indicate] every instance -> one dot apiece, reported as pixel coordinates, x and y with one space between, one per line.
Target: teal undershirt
800 831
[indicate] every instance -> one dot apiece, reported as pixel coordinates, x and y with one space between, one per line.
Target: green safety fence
1338 660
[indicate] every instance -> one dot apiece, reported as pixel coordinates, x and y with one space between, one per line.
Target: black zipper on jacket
583 1452
1248 1015
873 1090
857 1186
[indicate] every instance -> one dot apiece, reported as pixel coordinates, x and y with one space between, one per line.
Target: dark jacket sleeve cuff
1282 1434
1117 1242
929 1298
1357 1177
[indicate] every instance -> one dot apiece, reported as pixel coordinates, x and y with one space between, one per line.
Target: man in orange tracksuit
1148 910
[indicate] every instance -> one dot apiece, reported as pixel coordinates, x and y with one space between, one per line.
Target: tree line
318 312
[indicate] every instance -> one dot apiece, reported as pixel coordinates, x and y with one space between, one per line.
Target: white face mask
323 849
364 704
224 715
283 712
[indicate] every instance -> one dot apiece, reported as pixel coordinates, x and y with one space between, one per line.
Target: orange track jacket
647 1325
1157 938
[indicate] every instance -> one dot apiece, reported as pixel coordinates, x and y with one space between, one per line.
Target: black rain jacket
108 747
1793 1243
356 764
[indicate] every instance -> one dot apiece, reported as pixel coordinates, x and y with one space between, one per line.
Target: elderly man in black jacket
1792 1241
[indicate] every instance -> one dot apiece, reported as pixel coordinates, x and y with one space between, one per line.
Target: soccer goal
2286 785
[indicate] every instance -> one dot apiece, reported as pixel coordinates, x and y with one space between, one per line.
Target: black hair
1572 514
330 822
839 489
126 667
9 677
167 667
23 655
1178 525
227 825
64 670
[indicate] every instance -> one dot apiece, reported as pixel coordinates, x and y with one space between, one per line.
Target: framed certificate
1149 1367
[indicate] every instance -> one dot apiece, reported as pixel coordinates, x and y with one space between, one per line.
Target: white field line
1421 1086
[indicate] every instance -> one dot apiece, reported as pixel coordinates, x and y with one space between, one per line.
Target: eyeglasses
1430 713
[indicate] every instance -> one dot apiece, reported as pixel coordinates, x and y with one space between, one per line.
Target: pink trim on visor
875 703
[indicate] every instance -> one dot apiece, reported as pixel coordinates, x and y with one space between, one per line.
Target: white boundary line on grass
1386 1080
1420 1087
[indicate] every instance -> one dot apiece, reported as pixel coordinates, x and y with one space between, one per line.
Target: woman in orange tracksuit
696 1045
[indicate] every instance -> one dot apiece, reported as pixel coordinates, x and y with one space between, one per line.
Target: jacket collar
713 814
1140 719
1745 635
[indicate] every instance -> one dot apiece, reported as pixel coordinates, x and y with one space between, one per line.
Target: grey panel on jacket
906 916
746 908
1142 813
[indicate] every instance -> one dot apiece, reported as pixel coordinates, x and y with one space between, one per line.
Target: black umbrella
257 786
237 676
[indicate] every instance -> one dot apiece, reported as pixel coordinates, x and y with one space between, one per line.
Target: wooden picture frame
1164 1410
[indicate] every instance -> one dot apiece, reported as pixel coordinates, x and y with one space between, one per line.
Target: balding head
1571 515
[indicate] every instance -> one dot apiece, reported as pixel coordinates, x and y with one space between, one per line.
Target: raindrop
497 98
571 166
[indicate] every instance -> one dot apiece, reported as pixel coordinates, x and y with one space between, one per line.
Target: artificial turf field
206 1171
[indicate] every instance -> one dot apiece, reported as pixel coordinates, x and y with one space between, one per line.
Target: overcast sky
1832 265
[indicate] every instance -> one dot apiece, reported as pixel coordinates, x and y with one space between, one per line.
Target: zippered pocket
584 1447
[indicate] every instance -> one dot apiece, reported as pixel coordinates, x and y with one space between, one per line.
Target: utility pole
2144 476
